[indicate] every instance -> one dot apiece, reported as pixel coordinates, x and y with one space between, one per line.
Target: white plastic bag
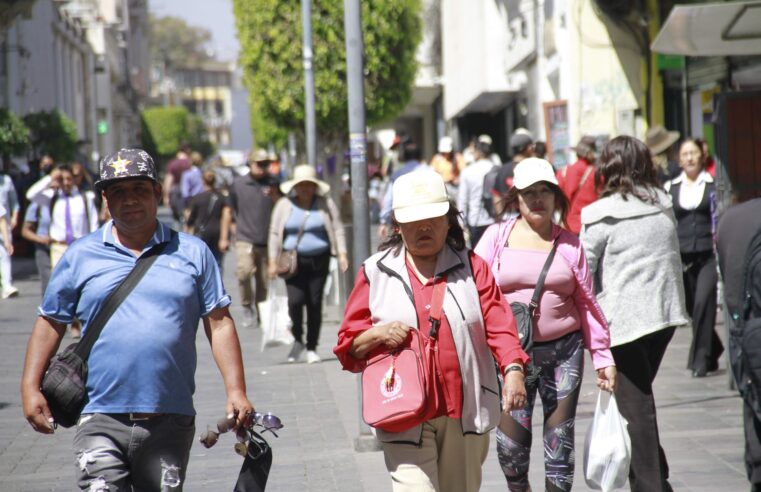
607 447
273 313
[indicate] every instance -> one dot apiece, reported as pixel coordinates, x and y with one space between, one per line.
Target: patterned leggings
556 372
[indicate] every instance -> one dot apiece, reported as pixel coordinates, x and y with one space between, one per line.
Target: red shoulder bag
396 384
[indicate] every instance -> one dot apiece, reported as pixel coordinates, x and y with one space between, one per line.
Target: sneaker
295 352
10 292
248 317
312 357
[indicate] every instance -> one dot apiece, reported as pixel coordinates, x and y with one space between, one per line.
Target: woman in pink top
567 319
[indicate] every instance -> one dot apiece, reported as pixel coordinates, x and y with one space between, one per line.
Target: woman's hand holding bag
607 447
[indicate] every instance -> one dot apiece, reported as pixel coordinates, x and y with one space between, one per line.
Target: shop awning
712 29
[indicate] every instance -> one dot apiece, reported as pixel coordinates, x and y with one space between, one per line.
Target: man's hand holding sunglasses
239 408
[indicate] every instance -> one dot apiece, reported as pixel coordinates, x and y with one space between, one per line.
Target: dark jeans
637 363
700 279
305 290
117 454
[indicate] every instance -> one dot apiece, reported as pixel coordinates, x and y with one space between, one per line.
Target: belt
53 241
136 416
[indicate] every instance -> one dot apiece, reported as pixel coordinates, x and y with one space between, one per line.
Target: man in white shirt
470 194
72 215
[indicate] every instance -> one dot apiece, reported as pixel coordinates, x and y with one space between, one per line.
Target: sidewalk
700 419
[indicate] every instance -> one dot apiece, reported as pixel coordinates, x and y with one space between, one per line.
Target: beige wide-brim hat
533 170
302 173
419 195
658 139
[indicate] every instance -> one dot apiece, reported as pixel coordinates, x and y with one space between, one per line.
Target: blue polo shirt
145 358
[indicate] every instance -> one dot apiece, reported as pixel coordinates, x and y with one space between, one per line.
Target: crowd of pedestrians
612 253
634 226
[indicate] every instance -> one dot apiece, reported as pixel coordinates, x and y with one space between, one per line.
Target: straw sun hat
302 173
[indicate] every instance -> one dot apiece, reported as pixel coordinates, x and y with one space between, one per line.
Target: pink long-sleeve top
511 269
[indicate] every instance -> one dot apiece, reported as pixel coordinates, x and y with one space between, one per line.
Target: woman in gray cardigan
306 220
629 236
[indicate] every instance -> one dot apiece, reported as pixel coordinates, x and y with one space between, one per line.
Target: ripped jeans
558 367
115 454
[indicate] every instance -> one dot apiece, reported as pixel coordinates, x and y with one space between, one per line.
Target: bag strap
116 297
582 181
209 210
301 229
437 304
540 283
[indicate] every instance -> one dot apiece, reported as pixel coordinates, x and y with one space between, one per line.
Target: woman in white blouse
694 197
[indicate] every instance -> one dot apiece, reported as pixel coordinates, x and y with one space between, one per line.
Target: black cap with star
124 164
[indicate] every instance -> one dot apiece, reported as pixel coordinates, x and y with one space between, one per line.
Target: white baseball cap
532 170
445 144
419 195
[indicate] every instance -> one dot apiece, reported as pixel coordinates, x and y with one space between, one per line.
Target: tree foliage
164 129
270 34
14 134
52 132
175 43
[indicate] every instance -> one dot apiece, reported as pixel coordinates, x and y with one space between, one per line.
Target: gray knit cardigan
633 253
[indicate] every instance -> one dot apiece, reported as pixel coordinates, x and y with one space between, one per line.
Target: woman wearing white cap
443 447
306 220
567 319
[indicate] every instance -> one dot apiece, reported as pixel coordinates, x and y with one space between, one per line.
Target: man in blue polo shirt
138 424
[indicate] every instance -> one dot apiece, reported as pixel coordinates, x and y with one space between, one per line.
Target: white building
86 58
555 67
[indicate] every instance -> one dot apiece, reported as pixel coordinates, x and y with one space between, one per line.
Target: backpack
487 191
745 330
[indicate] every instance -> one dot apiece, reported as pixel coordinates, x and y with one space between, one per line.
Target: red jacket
577 181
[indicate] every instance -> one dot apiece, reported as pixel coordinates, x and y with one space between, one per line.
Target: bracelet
513 368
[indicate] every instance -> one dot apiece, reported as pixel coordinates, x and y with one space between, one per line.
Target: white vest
391 300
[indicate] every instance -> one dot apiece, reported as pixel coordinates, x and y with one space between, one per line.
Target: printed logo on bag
390 387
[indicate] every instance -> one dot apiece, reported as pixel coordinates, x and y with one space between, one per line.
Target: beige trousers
251 262
56 252
447 460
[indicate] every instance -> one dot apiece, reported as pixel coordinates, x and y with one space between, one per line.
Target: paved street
700 419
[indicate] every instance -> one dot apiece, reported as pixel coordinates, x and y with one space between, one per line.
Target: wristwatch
513 368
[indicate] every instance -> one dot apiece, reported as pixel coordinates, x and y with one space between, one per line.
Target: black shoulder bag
523 314
64 382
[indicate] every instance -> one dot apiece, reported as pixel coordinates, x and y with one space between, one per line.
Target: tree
273 71
164 129
54 133
14 134
174 43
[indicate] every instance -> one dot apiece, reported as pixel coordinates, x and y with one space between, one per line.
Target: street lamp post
310 125
358 152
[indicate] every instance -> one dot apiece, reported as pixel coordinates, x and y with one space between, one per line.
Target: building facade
85 58
559 69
